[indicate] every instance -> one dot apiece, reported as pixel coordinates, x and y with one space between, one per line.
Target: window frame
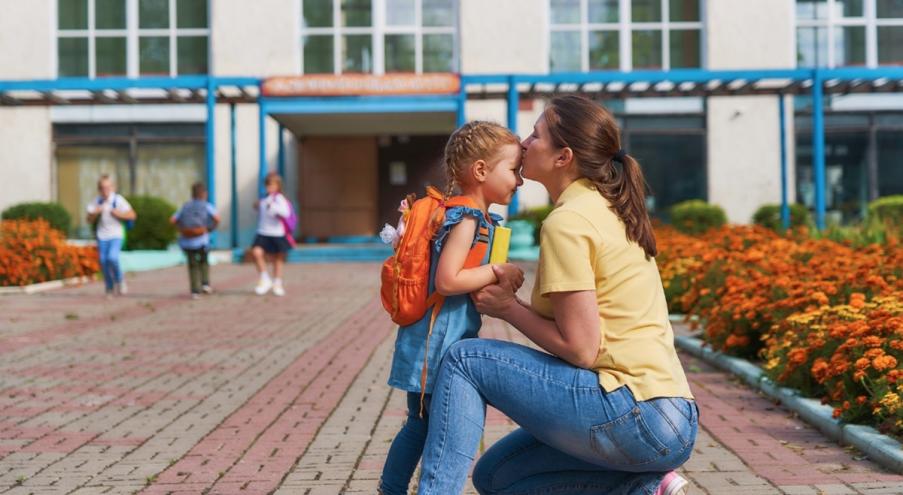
378 30
625 28
869 20
132 34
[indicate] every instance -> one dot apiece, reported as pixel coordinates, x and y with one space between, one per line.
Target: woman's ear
479 171
565 158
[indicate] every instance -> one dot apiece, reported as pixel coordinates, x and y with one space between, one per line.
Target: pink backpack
290 222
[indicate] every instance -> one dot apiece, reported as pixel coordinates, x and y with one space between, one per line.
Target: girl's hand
510 275
494 300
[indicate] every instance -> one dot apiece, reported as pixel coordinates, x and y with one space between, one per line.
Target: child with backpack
276 223
441 257
109 212
195 219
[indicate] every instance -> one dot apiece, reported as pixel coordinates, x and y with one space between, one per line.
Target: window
103 38
378 37
837 33
624 35
862 161
143 159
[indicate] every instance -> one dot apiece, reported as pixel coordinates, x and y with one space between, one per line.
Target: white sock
264 277
277 281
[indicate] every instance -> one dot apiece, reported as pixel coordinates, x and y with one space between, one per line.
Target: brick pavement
154 393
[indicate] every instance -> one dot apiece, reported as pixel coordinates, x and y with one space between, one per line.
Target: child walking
272 236
195 219
108 211
482 159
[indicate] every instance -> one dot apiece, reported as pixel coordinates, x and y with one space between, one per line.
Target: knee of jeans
482 477
458 351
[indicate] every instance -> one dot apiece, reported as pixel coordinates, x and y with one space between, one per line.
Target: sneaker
122 288
673 484
263 286
206 289
278 290
195 296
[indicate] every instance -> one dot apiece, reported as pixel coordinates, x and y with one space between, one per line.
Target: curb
880 448
44 286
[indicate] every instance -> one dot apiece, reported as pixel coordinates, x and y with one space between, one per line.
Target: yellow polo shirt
584 246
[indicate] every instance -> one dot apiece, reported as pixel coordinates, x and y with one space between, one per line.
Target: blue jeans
406 449
109 261
575 437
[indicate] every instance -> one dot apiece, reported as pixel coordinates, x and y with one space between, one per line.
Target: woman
610 411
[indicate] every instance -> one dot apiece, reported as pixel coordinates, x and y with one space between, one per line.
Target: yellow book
500 242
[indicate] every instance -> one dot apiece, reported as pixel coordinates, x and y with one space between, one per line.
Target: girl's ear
479 170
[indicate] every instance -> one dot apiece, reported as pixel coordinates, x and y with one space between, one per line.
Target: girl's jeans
109 261
575 438
404 454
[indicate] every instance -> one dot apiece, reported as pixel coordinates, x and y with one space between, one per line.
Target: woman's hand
509 274
495 300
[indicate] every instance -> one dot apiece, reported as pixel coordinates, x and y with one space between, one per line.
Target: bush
849 354
32 252
54 213
152 229
535 216
887 211
696 216
769 216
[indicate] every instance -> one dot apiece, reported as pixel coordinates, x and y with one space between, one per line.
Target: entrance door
338 186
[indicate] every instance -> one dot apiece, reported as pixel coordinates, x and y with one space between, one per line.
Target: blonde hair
471 142
273 177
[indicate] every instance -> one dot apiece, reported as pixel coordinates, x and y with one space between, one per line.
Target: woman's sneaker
673 484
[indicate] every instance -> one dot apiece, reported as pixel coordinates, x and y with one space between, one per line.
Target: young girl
271 236
483 160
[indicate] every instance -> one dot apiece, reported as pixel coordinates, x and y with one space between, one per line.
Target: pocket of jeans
626 441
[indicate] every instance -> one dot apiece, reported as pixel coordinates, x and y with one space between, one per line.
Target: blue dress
458 319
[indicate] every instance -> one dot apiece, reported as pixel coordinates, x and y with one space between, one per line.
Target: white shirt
108 227
270 212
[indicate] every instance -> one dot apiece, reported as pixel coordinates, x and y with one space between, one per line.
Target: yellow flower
891 402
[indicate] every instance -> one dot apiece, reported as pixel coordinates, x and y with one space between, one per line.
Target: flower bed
32 252
825 316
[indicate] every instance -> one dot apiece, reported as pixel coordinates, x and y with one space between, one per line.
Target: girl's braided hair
471 142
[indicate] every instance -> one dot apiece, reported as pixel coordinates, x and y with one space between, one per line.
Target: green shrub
769 216
696 216
54 213
887 211
535 216
152 229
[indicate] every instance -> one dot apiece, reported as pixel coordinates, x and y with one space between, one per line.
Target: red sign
362 84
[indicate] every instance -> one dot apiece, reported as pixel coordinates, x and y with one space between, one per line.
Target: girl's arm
574 335
451 277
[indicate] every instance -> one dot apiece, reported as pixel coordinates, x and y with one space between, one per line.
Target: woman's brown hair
592 133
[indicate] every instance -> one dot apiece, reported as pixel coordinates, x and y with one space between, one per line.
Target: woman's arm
574 335
452 278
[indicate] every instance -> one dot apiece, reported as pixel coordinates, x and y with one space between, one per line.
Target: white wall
503 36
744 168
26 44
25 160
259 38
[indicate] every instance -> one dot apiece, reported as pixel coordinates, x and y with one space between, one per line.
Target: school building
352 100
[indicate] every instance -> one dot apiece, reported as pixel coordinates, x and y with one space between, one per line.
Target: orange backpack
406 274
